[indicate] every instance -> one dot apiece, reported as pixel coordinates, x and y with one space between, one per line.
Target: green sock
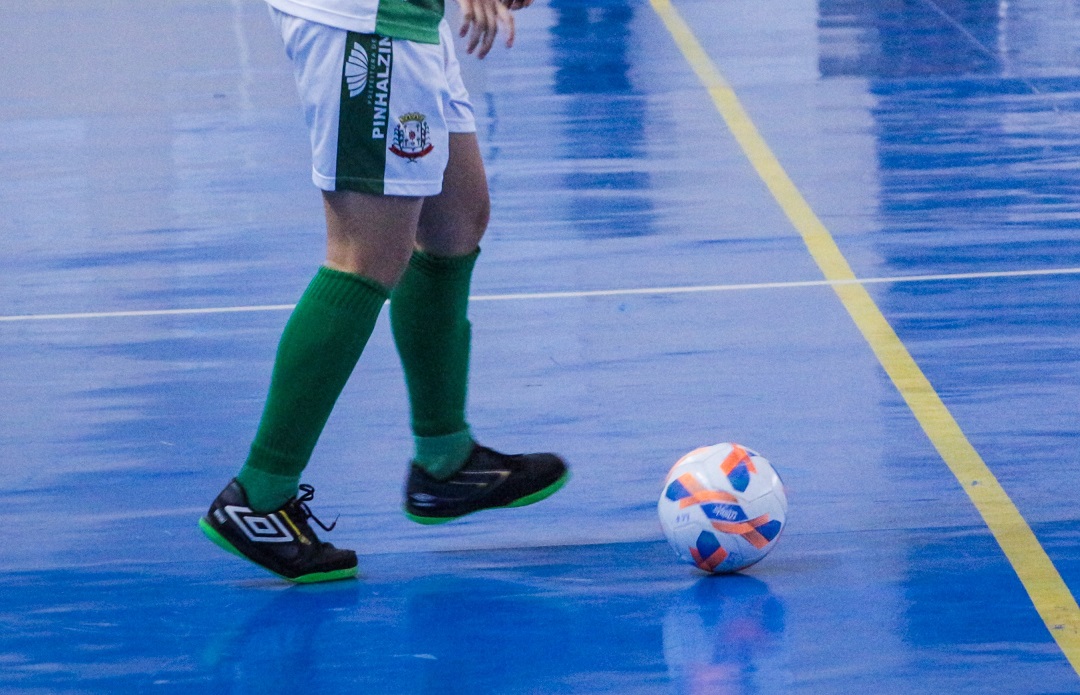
428 311
319 348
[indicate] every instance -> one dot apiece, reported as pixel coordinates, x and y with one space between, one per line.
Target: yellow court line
1040 578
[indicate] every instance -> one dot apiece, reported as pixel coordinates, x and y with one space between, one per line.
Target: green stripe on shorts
364 117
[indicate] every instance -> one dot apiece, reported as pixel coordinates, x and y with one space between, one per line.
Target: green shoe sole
522 502
312 578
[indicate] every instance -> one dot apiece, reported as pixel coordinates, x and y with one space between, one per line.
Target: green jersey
414 20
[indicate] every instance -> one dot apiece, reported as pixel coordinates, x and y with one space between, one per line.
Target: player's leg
451 475
370 236
368 243
369 240
428 309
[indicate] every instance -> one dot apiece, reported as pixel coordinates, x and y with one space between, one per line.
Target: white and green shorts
379 110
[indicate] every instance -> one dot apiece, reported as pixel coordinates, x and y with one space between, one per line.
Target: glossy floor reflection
934 138
608 618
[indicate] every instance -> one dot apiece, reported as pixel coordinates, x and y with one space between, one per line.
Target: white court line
148 312
576 295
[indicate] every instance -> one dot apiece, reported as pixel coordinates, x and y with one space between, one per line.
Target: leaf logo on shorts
356 69
411 137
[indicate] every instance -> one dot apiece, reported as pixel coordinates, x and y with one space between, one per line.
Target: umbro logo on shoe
259 528
467 484
422 499
280 541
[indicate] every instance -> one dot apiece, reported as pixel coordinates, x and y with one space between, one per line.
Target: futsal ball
723 507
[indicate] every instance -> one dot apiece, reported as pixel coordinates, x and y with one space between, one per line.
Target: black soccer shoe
489 480
281 541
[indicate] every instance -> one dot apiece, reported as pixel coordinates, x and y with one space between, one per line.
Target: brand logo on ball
411 137
724 512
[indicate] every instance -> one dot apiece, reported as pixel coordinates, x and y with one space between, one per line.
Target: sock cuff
444 266
339 289
270 461
267 492
444 455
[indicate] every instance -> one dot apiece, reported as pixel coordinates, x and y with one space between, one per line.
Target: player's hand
517 4
481 21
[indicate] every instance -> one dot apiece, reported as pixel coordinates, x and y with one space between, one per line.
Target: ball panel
707 552
722 508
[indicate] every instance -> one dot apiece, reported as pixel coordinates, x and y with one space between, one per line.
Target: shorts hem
417 189
461 126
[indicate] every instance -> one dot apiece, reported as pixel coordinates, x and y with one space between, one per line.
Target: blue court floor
648 285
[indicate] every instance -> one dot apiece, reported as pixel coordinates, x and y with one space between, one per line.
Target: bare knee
453 222
478 218
370 235
457 232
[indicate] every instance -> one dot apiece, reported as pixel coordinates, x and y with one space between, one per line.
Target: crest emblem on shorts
356 69
411 137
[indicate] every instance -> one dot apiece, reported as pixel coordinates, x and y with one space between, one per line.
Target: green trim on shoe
535 497
312 578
